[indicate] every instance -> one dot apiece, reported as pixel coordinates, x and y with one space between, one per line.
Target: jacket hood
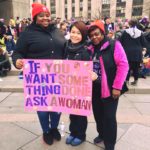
134 32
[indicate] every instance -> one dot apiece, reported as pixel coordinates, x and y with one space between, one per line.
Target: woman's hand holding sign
19 63
94 76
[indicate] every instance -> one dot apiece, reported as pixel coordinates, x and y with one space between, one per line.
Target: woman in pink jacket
111 66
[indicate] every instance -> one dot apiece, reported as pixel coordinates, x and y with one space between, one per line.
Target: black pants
105 116
134 66
78 126
5 65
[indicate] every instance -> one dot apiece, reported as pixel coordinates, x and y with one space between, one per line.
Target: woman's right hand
19 63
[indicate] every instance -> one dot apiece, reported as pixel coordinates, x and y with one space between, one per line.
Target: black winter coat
133 43
39 43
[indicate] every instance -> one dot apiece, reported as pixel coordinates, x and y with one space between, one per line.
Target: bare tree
97 14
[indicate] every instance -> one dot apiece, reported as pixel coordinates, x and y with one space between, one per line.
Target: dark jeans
78 126
134 66
5 66
10 45
105 116
48 120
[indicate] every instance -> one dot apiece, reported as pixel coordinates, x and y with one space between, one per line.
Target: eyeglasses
96 34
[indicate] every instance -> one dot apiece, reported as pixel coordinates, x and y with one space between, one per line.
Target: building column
128 11
85 8
48 4
30 3
77 8
69 9
95 8
39 1
57 7
62 12
146 8
113 9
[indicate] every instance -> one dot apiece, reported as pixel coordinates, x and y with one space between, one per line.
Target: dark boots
50 136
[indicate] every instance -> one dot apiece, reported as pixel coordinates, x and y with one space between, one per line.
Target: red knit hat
38 8
99 24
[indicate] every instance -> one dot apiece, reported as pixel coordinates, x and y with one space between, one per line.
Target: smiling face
96 36
43 19
75 35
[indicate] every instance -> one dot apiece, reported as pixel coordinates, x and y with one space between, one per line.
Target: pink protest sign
58 85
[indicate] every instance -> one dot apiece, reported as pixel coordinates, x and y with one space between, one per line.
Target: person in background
17 26
111 66
2 29
76 50
58 20
9 41
133 43
143 66
11 28
63 29
119 31
109 25
110 35
143 23
147 37
2 34
5 64
41 40
23 25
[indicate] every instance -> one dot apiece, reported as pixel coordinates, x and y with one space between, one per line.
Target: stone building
66 9
92 9
13 8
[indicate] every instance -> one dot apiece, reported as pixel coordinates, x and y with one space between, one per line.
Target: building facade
95 9
13 8
88 9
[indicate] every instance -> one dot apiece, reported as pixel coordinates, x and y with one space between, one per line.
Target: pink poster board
58 85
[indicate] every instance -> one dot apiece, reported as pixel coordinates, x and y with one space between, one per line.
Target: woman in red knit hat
111 66
41 40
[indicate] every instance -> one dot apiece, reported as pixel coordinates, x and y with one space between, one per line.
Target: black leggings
78 126
134 66
105 116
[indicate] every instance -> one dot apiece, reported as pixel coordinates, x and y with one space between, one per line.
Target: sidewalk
21 130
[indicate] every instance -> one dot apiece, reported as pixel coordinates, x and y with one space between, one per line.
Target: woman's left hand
116 93
94 76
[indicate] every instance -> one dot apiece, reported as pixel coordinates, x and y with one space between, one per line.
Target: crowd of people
118 50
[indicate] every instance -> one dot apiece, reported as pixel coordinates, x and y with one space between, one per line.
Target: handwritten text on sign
58 85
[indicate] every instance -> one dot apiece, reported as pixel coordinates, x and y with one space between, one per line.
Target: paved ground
20 130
